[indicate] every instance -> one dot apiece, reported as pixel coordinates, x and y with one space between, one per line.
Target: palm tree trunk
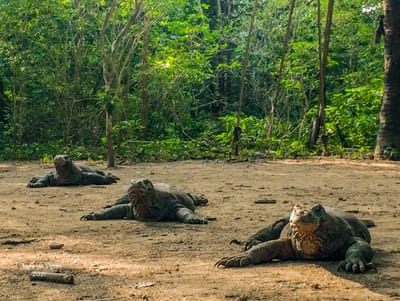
388 139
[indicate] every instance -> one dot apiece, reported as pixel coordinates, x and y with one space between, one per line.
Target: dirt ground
132 260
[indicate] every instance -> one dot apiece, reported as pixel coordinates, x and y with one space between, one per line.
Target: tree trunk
388 139
4 103
245 62
144 83
116 55
274 102
221 87
110 141
319 122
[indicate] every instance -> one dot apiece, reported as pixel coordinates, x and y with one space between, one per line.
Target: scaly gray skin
147 202
68 173
320 233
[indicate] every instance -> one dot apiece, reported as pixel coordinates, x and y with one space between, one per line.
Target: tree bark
274 102
144 83
245 62
116 56
319 121
110 141
388 139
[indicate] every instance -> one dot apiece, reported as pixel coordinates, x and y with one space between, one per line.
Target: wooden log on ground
52 277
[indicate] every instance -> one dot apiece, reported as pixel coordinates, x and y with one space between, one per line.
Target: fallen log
52 277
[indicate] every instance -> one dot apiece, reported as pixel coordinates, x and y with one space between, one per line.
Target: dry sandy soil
132 260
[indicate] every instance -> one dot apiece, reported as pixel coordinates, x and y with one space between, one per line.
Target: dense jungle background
165 80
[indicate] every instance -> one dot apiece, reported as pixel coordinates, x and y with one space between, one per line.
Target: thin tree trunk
116 57
388 139
144 83
270 125
107 84
237 130
110 141
318 124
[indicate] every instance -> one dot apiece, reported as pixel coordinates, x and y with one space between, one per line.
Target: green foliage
46 159
353 116
46 151
53 94
252 132
254 143
166 150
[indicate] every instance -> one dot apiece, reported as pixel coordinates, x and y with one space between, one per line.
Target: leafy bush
353 116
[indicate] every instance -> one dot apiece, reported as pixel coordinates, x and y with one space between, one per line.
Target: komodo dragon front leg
358 257
116 212
48 180
121 201
263 252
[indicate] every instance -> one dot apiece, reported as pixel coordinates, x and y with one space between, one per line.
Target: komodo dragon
69 173
146 201
320 233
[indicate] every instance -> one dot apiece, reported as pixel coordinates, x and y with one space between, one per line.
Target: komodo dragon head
307 220
141 190
304 232
141 194
62 160
64 166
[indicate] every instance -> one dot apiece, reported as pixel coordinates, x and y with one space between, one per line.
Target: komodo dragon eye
318 211
318 208
143 183
147 184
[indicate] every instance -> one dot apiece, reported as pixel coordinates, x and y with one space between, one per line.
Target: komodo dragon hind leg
90 178
271 232
187 216
198 200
